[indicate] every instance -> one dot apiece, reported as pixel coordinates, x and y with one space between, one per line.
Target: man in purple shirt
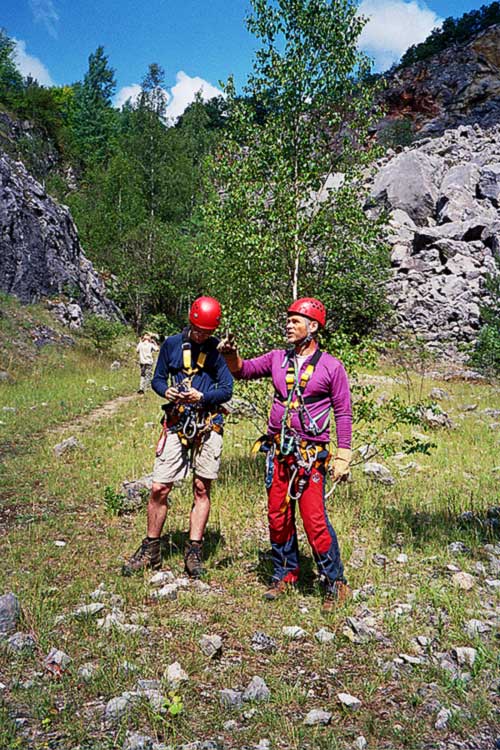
307 383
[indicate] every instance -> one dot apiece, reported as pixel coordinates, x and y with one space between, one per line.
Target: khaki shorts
174 463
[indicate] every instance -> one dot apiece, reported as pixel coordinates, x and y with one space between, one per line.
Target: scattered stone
56 661
161 578
257 690
475 627
378 473
136 493
437 419
88 610
4 376
211 645
200 586
463 581
423 641
349 701
60 543
360 630
493 584
10 613
442 719
402 559
118 707
263 642
263 745
230 726
453 568
409 659
380 560
169 592
469 407
231 698
175 675
465 656
459 548
21 643
438 394
70 444
136 741
401 609
364 592
115 365
87 671
317 716
294 632
360 743
324 636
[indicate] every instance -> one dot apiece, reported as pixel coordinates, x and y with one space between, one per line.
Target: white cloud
393 26
45 12
127 92
185 90
182 94
31 66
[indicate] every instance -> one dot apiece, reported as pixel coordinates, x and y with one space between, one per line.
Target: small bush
102 332
397 133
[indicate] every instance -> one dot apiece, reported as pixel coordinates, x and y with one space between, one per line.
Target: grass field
47 500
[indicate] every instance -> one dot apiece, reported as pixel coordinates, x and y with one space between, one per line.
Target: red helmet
205 313
310 307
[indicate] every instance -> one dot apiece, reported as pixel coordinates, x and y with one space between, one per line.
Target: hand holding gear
341 465
227 347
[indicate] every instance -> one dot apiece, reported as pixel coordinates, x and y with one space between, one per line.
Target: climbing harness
187 420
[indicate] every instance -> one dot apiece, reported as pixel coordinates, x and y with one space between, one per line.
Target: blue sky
197 42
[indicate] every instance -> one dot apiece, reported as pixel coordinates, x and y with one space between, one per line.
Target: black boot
192 559
147 556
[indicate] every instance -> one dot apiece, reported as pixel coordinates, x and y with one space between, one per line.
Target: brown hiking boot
147 556
277 589
336 595
192 559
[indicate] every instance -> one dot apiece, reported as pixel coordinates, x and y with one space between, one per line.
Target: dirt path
96 415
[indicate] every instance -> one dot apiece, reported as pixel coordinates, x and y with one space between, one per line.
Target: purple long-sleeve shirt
328 381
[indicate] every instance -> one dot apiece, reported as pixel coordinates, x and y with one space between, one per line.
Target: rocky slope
444 196
40 254
460 85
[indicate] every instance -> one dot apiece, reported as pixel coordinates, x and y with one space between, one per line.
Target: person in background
145 349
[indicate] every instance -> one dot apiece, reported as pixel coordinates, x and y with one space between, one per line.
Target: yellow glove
341 463
227 347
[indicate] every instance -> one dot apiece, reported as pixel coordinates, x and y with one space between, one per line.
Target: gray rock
463 581
489 183
465 656
118 707
263 642
21 643
459 548
408 182
175 674
360 743
88 610
378 473
160 579
324 636
442 719
476 627
87 671
256 690
56 660
169 592
10 613
294 632
349 701
136 493
4 376
438 394
116 365
70 444
136 741
317 716
211 645
231 698
41 253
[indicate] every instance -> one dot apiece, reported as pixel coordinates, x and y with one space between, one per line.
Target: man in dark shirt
194 378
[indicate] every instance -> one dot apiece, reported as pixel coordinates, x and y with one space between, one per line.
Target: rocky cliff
40 254
460 85
443 195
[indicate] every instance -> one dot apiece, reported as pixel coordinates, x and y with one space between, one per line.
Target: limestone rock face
443 197
460 85
40 253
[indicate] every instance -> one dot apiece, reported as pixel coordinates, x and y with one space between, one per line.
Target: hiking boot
192 559
336 594
147 556
277 589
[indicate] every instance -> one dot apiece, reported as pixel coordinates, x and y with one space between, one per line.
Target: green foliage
486 355
113 501
397 133
453 31
102 332
11 80
272 229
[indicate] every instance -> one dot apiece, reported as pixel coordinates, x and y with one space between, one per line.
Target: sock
153 538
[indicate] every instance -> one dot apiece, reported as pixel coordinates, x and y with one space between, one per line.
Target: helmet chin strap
307 338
